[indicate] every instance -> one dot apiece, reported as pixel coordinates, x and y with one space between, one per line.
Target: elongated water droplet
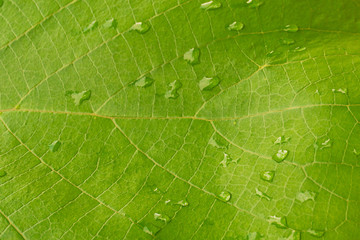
80 97
208 83
215 141
90 27
144 82
340 90
262 194
162 217
192 56
111 23
54 146
287 41
183 203
254 236
304 196
279 222
316 233
280 155
211 5
140 27
281 140
227 160
2 173
225 196
299 49
172 93
356 152
254 3
235 26
267 175
326 144
294 235
291 28
151 229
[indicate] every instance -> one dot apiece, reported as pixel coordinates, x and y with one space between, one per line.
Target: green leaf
179 119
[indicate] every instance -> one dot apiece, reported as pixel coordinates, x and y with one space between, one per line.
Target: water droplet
162 217
211 5
299 49
144 82
192 56
90 27
111 23
340 90
326 144
235 26
172 92
157 190
281 140
225 196
54 146
356 152
140 27
294 235
280 155
215 141
279 222
80 97
254 3
304 196
287 41
317 91
316 233
17 106
151 229
167 201
208 83
291 28
267 175
227 160
262 194
183 203
2 173
254 236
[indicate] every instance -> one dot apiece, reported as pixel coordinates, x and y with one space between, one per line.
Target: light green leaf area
87 154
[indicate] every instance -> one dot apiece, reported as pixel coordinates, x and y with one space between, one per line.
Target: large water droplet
140 27
279 222
172 93
280 155
254 236
208 83
151 229
80 97
267 175
90 27
162 217
227 160
299 49
254 3
287 41
215 141
2 173
192 56
235 26
225 196
54 146
304 196
262 194
340 90
281 140
291 28
183 203
111 23
144 82
316 233
210 5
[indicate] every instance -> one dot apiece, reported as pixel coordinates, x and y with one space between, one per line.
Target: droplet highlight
225 196
287 41
144 82
235 26
299 49
192 56
254 3
281 140
90 27
54 146
172 93
291 28
80 97
356 152
267 175
140 27
280 155
279 222
316 233
111 23
207 84
227 160
211 5
305 196
162 217
183 203
262 194
340 90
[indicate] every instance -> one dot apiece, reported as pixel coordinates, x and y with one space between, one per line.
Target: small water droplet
280 155
291 28
54 146
151 229
183 203
281 140
254 236
304 196
356 152
111 23
140 27
262 194
287 41
157 190
235 26
210 5
208 83
227 160
215 141
254 3
299 49
172 92
317 91
80 97
326 144
90 27
267 175
3 173
225 196
162 217
279 222
340 90
192 56
144 82
316 233
167 201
